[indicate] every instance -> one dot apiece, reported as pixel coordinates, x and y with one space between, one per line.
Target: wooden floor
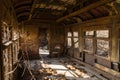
57 69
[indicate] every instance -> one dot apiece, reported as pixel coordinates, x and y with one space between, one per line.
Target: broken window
102 48
76 45
103 45
88 44
69 39
75 39
102 33
88 41
72 38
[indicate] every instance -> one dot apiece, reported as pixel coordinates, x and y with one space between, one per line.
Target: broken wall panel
15 50
6 32
5 64
7 23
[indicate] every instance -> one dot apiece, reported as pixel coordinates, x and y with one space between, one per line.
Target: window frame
72 37
88 37
94 43
69 37
75 42
105 39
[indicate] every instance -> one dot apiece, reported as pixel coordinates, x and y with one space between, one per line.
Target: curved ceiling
22 8
69 11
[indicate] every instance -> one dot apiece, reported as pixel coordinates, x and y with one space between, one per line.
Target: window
88 41
76 45
75 34
102 48
103 45
75 39
88 44
69 39
69 34
69 42
89 33
102 33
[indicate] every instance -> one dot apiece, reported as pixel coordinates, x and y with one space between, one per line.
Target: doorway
44 41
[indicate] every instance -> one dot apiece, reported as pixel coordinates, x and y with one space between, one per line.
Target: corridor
59 39
59 69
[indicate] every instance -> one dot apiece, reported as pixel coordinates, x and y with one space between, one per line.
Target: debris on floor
60 69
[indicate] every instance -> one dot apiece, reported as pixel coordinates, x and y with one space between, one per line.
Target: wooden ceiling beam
22 14
38 21
32 9
21 3
87 8
103 20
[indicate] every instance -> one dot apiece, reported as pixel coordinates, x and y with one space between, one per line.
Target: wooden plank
25 13
99 21
32 9
91 6
114 43
38 22
1 60
103 72
113 72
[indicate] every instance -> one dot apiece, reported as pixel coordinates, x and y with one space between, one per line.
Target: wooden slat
113 72
32 9
22 14
100 21
38 22
91 6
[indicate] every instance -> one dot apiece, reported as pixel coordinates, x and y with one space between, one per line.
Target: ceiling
65 11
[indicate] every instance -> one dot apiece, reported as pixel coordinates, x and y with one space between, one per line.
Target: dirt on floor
56 69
